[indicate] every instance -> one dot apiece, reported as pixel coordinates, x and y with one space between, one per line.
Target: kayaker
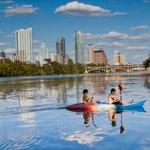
112 98
86 98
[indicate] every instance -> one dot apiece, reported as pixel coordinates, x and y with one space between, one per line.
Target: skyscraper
118 58
100 57
91 49
43 53
79 47
60 47
24 44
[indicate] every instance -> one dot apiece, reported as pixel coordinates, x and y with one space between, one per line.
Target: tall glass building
60 46
24 44
79 47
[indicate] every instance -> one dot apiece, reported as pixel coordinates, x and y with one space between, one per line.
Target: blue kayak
128 106
131 105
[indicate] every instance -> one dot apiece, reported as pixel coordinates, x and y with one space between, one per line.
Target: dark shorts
116 103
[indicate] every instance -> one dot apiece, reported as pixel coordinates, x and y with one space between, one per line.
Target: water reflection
30 122
85 137
147 83
90 135
28 92
112 118
98 84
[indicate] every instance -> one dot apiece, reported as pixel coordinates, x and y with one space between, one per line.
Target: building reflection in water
98 85
79 86
62 93
33 92
26 99
147 83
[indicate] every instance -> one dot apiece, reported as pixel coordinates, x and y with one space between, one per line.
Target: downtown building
96 56
118 58
79 47
100 57
91 49
60 46
60 55
42 54
2 56
24 44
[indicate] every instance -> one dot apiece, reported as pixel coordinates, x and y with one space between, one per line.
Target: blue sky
122 25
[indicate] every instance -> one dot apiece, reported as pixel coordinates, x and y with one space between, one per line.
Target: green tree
146 63
47 69
70 67
80 68
57 68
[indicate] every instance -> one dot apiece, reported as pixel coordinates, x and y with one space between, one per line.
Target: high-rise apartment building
24 44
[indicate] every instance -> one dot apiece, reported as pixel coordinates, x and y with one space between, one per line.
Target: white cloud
146 1
138 48
85 137
119 13
109 35
113 44
142 37
114 34
10 50
36 41
76 8
117 35
19 10
141 27
10 35
6 1
2 43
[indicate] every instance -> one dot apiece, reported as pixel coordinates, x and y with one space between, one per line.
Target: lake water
30 118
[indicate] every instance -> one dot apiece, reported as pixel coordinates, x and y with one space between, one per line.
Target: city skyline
111 24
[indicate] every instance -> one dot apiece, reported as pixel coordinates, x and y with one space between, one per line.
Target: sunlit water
30 118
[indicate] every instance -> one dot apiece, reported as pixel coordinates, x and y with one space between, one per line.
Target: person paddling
86 98
112 98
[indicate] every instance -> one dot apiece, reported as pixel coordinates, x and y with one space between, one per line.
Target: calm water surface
30 118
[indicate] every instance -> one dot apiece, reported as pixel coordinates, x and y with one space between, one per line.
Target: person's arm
110 101
116 99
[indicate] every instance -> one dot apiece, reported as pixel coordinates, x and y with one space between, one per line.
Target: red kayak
82 107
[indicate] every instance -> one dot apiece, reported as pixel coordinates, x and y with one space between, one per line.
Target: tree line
17 68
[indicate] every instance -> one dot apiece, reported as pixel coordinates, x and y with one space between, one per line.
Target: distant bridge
115 68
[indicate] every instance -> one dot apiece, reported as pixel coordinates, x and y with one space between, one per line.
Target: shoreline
36 77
